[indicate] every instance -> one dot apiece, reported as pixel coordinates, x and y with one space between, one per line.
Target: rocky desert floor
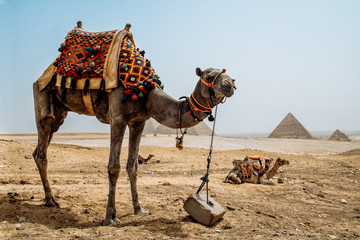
318 200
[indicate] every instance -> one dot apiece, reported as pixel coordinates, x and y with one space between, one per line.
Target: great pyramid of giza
339 136
198 130
290 127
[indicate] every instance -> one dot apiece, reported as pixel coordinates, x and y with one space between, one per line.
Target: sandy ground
319 199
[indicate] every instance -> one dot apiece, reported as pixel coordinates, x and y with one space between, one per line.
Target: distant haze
301 57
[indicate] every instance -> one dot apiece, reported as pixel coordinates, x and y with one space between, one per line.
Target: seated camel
248 171
142 160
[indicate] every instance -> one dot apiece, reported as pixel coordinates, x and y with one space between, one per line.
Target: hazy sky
286 56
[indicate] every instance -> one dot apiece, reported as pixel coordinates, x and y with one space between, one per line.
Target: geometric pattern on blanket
133 66
83 54
247 167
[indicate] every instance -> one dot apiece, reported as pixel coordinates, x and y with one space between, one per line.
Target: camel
53 103
255 174
142 160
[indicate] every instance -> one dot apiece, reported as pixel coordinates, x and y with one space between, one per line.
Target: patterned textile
247 167
133 67
83 56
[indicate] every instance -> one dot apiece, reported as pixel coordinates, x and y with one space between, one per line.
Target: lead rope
180 140
205 177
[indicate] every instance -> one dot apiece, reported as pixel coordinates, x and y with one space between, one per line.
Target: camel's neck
171 112
273 170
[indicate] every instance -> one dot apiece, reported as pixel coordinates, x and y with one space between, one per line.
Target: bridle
198 107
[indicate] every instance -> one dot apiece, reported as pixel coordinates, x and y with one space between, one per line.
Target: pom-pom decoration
223 71
141 95
124 99
134 98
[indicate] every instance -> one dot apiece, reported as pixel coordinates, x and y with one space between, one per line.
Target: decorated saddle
247 167
99 61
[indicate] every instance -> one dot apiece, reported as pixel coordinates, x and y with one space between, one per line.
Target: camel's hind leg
49 117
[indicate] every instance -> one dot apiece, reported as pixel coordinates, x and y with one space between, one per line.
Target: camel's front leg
136 130
118 126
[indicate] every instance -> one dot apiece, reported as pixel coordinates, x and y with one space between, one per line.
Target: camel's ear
199 72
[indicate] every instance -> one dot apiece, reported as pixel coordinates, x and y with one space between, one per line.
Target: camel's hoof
52 203
112 222
142 212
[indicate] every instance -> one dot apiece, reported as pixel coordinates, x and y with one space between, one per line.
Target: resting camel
142 160
53 103
252 173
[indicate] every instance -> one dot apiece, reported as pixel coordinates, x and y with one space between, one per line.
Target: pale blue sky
286 56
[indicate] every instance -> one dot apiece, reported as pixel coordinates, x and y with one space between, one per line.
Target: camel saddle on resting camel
247 167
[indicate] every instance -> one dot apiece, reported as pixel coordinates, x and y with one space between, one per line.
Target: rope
205 177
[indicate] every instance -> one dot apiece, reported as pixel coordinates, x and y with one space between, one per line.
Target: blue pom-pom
124 99
89 49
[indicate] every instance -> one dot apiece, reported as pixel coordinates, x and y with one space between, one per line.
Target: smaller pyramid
290 127
199 130
339 136
150 126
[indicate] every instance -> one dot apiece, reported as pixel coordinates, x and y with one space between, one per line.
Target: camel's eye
208 78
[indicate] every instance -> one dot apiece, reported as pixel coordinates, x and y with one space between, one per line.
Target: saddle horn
79 24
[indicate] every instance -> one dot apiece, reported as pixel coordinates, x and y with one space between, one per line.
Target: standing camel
53 103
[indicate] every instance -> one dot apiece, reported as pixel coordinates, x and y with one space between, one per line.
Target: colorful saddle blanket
83 56
247 167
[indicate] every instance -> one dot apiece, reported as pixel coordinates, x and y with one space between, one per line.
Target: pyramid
200 129
150 126
339 136
290 127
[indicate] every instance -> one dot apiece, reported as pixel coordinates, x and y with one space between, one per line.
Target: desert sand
318 200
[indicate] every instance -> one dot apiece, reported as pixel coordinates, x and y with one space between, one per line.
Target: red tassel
224 70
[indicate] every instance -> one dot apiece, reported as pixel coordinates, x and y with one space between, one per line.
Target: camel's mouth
228 89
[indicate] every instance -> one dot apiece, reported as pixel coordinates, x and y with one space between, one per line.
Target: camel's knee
40 159
47 123
233 178
113 172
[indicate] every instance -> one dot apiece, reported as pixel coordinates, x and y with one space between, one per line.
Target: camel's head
268 162
216 83
282 161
